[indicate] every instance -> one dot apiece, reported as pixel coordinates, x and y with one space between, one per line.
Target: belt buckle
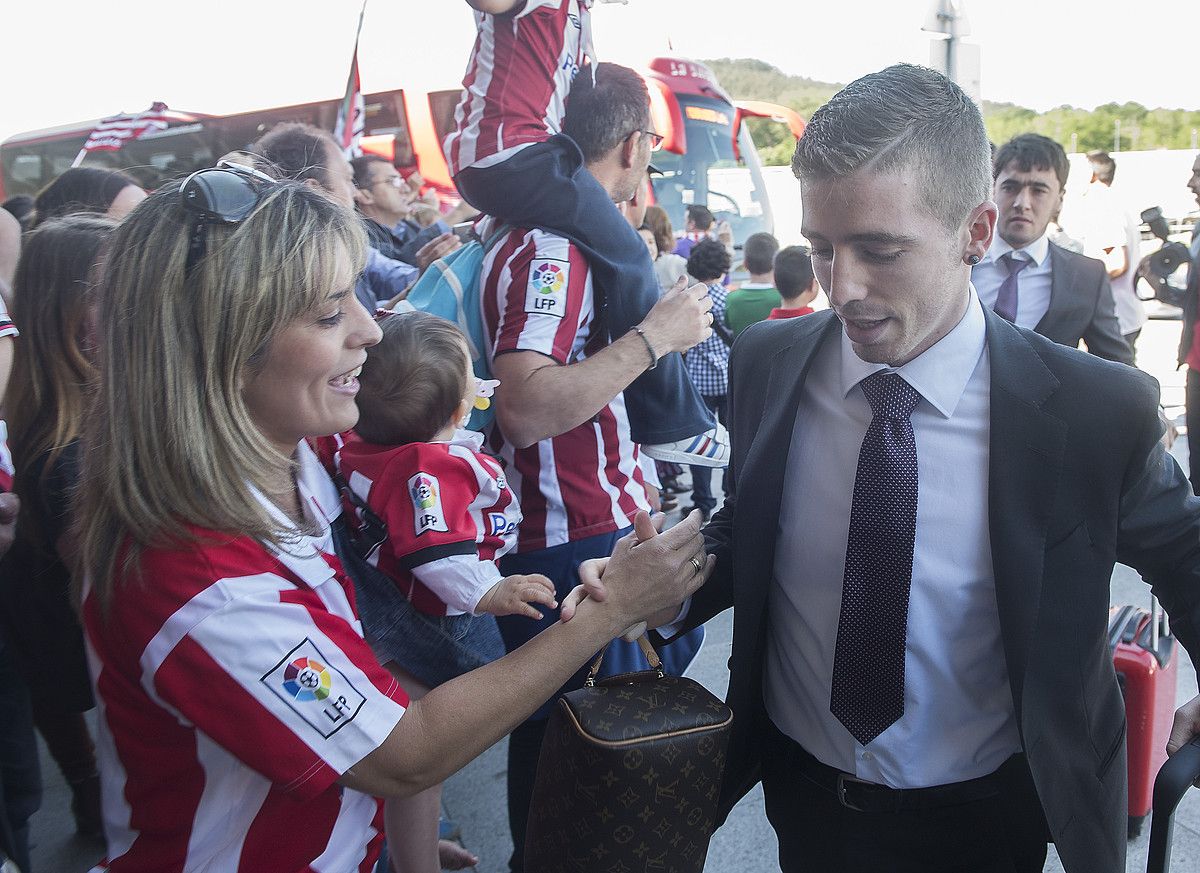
842 780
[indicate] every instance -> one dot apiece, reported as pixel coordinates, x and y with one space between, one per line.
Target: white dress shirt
1033 282
958 722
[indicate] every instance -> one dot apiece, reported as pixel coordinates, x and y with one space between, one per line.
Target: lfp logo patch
317 692
426 494
547 290
307 679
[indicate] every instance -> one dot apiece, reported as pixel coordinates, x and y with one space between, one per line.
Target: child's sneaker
709 449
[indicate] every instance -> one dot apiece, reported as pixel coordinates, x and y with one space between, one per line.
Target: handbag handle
647 650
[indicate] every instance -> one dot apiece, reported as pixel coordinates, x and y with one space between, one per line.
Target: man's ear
979 229
364 197
314 184
629 149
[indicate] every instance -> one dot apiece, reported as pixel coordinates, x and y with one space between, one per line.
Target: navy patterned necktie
1006 298
868 663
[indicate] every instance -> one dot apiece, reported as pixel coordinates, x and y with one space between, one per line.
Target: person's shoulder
1091 267
772 334
1089 377
434 459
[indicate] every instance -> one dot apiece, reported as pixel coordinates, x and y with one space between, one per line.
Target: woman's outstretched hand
670 562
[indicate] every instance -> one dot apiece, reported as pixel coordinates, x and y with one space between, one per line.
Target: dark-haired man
755 298
386 200
1029 280
514 157
697 225
1110 234
923 511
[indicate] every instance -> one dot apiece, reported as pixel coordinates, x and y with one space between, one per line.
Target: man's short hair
758 253
700 216
601 115
298 151
362 168
903 116
1103 165
709 261
1032 151
793 272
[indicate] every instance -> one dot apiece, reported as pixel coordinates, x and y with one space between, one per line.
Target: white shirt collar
1036 250
940 373
301 552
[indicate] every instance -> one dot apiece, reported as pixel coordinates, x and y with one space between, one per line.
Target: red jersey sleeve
538 294
275 679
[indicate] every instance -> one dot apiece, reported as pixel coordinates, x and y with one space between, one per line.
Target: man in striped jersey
561 422
514 157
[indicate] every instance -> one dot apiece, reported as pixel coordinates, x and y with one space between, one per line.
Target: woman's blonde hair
52 371
169 445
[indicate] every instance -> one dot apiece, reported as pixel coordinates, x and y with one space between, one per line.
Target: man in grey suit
1029 280
925 503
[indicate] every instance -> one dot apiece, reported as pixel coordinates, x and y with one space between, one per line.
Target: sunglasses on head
225 194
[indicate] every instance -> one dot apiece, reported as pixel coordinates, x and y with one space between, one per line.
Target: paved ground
475 796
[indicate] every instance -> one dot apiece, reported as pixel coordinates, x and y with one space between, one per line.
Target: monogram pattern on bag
629 777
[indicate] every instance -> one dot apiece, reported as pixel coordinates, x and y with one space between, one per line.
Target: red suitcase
1146 658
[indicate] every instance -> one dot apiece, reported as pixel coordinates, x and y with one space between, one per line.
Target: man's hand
10 507
592 586
1185 726
680 319
436 248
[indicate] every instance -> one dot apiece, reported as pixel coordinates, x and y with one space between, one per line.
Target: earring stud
973 259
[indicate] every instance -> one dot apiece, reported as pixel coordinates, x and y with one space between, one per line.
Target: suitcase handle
1171 784
647 650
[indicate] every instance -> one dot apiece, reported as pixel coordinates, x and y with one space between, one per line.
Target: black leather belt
860 796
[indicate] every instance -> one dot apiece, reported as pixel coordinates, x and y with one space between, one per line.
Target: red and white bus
707 157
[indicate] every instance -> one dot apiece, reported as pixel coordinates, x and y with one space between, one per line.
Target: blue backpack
449 289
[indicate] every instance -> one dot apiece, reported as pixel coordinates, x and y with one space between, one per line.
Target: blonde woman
245 723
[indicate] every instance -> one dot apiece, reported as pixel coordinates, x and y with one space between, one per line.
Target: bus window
710 174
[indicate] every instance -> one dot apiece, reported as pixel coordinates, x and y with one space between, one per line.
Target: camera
1159 268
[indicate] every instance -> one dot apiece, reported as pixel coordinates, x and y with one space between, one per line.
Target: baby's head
417 382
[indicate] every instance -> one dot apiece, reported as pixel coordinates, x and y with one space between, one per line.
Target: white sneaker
709 449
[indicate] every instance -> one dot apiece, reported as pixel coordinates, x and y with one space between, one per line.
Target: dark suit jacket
1081 307
1078 480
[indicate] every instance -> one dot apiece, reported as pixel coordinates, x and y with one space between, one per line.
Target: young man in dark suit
1029 280
925 503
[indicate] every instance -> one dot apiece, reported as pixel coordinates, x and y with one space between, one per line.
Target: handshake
676 557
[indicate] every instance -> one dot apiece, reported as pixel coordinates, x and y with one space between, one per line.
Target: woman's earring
973 259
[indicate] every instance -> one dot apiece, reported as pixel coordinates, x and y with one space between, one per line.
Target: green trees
1076 129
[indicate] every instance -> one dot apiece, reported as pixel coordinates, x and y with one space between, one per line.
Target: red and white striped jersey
517 81
233 688
449 513
6 465
537 296
7 328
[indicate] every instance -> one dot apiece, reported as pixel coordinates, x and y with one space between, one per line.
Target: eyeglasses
656 139
394 181
225 194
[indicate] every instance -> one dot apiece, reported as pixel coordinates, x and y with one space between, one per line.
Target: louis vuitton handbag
629 775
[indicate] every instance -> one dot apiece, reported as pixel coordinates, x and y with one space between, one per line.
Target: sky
66 60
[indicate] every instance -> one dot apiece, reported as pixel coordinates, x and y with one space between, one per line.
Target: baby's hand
514 595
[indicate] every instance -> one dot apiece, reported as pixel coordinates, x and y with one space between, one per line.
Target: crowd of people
247 523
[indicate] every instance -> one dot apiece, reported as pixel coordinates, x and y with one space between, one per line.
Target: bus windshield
710 174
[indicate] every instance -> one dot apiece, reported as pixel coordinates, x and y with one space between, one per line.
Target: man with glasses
514 157
386 201
310 155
